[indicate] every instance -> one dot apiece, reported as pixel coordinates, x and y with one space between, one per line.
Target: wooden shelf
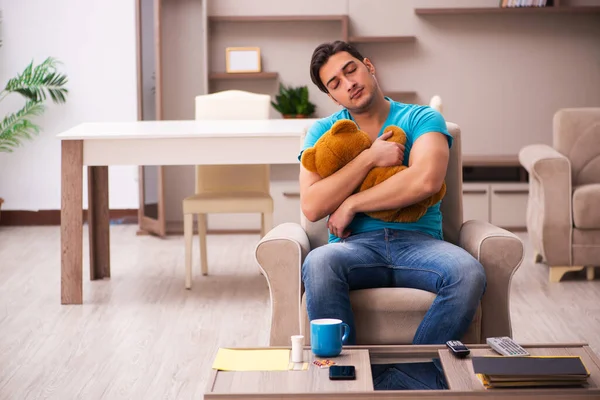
382 39
342 19
507 10
275 18
248 75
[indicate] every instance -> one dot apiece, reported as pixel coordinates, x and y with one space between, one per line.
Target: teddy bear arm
408 214
384 215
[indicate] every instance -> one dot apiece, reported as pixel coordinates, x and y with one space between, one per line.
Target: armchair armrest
501 253
280 254
550 194
532 157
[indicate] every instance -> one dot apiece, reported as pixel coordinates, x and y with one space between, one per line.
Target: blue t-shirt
415 120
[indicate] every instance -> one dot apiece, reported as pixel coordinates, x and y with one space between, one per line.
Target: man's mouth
356 94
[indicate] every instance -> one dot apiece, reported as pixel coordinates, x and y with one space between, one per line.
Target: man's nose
350 85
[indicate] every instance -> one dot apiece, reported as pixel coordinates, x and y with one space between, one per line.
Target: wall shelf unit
508 10
237 76
213 76
342 19
382 39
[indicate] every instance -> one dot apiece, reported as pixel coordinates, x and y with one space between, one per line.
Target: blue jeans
409 376
396 258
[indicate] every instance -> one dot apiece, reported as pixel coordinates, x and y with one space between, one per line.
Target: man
367 253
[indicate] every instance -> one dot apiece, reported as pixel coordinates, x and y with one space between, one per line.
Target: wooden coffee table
460 378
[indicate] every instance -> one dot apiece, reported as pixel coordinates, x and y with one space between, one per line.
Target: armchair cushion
586 206
388 316
586 246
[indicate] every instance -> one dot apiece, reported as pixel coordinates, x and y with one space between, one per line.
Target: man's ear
369 66
344 126
309 160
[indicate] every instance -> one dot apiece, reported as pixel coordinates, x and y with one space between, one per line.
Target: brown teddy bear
341 144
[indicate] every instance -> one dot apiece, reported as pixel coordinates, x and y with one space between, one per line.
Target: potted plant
293 102
34 84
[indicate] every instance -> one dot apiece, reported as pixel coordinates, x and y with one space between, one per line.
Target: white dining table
189 142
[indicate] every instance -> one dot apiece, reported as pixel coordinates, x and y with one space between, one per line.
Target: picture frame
242 60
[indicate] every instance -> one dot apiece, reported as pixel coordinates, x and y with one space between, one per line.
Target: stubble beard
366 106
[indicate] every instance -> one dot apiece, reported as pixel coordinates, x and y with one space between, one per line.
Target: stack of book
524 3
530 371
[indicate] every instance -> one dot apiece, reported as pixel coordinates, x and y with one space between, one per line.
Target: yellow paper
298 366
252 360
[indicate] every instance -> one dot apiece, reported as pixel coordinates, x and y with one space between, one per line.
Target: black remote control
458 348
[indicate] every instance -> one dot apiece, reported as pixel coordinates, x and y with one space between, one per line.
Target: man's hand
384 153
339 221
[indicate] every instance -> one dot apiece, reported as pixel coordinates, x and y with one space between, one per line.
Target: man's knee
476 276
469 274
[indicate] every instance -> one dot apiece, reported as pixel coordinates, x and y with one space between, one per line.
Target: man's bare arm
424 177
320 197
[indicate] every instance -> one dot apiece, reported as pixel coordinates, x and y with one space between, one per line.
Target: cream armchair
563 212
392 315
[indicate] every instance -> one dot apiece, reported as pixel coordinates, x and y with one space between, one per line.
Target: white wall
148 44
96 42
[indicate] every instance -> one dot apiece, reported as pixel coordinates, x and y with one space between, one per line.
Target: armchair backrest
451 207
577 137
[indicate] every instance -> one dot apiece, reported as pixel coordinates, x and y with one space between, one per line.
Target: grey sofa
563 211
392 315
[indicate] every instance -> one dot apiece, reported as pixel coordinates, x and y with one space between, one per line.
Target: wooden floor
140 335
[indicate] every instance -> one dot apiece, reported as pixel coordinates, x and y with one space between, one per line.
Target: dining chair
227 188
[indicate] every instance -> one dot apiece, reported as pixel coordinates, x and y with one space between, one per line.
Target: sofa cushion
586 247
388 316
586 206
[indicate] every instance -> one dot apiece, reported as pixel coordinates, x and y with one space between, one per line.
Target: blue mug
327 336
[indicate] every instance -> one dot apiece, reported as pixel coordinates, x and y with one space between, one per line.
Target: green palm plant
35 84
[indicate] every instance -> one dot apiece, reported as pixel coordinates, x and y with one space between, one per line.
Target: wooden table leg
98 222
71 222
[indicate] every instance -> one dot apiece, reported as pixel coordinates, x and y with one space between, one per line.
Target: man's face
349 81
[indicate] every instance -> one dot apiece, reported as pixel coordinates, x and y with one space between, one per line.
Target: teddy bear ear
308 159
343 126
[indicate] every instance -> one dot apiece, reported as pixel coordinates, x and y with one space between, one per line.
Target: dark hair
322 54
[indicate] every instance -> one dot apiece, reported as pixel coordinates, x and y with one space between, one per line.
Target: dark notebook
529 366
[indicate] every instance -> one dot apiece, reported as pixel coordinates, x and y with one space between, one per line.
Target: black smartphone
342 372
